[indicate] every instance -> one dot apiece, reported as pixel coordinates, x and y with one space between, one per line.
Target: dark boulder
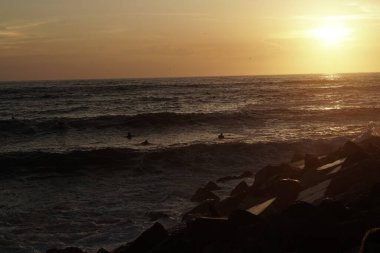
230 204
286 191
297 157
269 175
102 251
206 229
67 250
146 241
333 209
245 174
300 210
212 186
311 162
242 218
240 188
349 148
206 209
359 176
287 187
202 194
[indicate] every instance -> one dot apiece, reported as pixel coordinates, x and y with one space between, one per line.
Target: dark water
98 188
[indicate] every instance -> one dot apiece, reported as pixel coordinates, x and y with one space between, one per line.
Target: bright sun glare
331 35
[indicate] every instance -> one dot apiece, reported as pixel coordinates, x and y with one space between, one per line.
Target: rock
102 251
297 157
286 191
202 194
240 188
362 175
245 174
146 241
349 148
300 210
206 208
269 175
355 157
67 250
287 187
211 186
333 209
206 229
242 218
230 204
311 162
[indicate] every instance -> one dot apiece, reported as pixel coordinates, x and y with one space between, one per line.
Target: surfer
221 136
129 136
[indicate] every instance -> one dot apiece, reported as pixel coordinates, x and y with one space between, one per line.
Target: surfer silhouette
129 136
221 136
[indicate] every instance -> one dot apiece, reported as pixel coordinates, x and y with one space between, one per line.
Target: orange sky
68 39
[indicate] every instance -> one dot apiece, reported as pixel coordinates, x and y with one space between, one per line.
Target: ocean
69 176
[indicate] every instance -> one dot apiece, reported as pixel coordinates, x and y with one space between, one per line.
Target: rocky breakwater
314 203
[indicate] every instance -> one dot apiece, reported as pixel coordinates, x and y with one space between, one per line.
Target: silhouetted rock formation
203 194
67 250
313 204
146 241
102 251
212 186
240 188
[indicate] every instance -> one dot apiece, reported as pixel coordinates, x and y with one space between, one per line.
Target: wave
150 120
249 116
198 157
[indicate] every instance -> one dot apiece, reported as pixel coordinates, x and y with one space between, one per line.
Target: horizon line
181 77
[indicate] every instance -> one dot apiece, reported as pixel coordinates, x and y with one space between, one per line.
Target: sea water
90 186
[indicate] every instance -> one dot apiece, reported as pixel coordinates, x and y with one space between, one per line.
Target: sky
86 39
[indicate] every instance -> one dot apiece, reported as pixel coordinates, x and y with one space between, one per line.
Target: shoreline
311 204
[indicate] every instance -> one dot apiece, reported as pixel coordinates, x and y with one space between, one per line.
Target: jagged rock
242 218
102 251
230 204
146 241
286 192
202 194
240 188
206 229
300 210
245 174
362 175
297 157
333 208
311 162
355 157
67 250
349 148
206 208
212 186
287 186
269 175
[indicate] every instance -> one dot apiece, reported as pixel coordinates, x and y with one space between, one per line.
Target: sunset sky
68 39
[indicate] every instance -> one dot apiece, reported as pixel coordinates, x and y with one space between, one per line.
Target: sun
331 35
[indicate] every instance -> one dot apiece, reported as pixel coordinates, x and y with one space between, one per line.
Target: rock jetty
312 204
